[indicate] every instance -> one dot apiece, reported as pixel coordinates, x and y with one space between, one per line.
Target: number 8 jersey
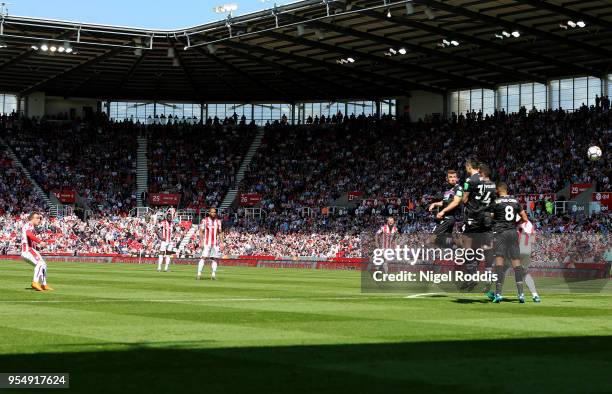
506 212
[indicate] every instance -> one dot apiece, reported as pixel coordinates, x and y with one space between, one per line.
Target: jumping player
450 200
166 249
211 236
31 255
486 236
477 196
507 213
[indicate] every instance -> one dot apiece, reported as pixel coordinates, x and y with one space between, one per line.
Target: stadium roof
303 51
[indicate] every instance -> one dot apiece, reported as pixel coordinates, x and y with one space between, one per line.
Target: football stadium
315 196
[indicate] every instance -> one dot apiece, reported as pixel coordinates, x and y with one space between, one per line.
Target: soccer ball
594 153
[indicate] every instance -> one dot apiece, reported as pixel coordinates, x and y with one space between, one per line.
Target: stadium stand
198 161
297 167
16 194
96 161
311 166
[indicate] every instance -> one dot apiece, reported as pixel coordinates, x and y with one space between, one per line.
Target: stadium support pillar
35 105
605 81
301 113
445 104
19 109
402 107
421 104
252 111
377 102
292 114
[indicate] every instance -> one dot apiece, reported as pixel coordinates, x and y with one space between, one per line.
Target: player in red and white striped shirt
165 235
527 237
29 253
387 234
211 236
386 238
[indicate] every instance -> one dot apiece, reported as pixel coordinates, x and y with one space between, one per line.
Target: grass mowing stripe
120 328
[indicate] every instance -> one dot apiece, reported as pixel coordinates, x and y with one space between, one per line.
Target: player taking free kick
31 255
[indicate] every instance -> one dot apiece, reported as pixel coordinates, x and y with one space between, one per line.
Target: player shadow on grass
480 301
403 367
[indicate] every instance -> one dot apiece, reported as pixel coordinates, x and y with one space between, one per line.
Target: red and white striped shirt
28 238
387 235
166 230
526 237
211 229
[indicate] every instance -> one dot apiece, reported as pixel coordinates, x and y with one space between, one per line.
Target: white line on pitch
196 300
421 295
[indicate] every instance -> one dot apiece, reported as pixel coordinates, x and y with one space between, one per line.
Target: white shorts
32 257
211 251
166 247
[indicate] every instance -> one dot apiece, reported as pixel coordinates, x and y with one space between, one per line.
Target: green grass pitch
126 328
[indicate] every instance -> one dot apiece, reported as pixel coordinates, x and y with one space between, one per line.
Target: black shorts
444 226
473 225
506 245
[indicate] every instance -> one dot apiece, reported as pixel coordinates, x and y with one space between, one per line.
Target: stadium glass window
488 102
464 101
334 108
258 113
539 96
135 111
387 107
571 93
329 109
476 100
502 98
594 89
514 93
275 112
566 94
285 110
609 84
352 108
263 113
8 103
244 110
526 95
308 111
512 97
581 92
366 107
221 111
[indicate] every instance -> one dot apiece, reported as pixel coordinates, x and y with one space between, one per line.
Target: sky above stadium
152 14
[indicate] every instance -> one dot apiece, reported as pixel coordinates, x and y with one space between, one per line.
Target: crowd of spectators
199 161
16 194
396 167
303 168
97 162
